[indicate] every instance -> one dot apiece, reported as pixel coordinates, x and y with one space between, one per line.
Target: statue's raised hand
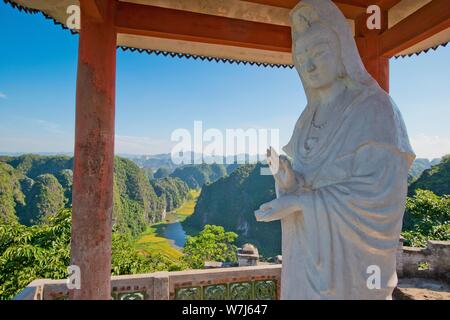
281 168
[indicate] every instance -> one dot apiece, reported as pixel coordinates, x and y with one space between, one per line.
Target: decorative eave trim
421 51
195 57
188 56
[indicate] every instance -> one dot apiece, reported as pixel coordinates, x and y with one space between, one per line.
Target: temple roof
252 31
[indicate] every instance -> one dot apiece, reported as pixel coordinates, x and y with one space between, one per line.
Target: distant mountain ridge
230 202
196 176
33 187
436 178
420 165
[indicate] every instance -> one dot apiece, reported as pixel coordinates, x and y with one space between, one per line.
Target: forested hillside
196 176
230 202
174 191
436 179
33 188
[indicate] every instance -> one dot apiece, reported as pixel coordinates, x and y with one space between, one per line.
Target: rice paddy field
153 240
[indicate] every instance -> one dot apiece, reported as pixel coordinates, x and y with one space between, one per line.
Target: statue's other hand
277 209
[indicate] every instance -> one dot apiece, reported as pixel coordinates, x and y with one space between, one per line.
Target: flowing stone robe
352 207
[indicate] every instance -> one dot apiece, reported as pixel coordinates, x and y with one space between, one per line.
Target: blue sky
156 94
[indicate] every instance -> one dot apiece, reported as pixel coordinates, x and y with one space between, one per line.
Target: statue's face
317 60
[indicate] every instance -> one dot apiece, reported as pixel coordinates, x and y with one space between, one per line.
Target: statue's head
316 49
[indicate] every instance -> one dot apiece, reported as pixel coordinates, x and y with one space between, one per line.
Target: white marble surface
341 201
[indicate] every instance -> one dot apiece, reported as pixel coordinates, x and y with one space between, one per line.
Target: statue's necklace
324 124
317 126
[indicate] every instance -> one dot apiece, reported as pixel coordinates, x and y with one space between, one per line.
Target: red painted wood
94 155
369 46
422 24
191 26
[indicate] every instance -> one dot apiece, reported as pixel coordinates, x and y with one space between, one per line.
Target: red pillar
368 42
94 154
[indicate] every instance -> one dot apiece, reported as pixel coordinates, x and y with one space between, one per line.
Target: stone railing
430 262
254 282
260 282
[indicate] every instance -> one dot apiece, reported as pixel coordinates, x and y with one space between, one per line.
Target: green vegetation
127 259
196 176
28 253
152 241
45 199
149 173
10 194
427 217
161 173
65 178
35 227
418 166
33 187
43 251
436 179
230 202
33 166
136 204
188 206
211 244
173 190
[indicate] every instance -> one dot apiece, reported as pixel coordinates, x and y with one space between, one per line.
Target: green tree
196 176
427 217
35 165
211 244
436 179
10 193
65 178
135 202
45 199
230 202
43 251
127 260
29 253
149 173
161 173
174 191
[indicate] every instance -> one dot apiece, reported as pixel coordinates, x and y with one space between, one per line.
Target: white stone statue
342 200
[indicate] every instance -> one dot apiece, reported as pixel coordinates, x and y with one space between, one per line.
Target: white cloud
48 126
430 146
140 145
2 95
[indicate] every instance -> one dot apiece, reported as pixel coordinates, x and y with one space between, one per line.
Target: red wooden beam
183 25
368 42
350 8
94 9
422 24
387 4
94 155
289 4
356 3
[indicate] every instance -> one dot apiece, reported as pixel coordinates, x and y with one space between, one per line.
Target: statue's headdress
324 12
